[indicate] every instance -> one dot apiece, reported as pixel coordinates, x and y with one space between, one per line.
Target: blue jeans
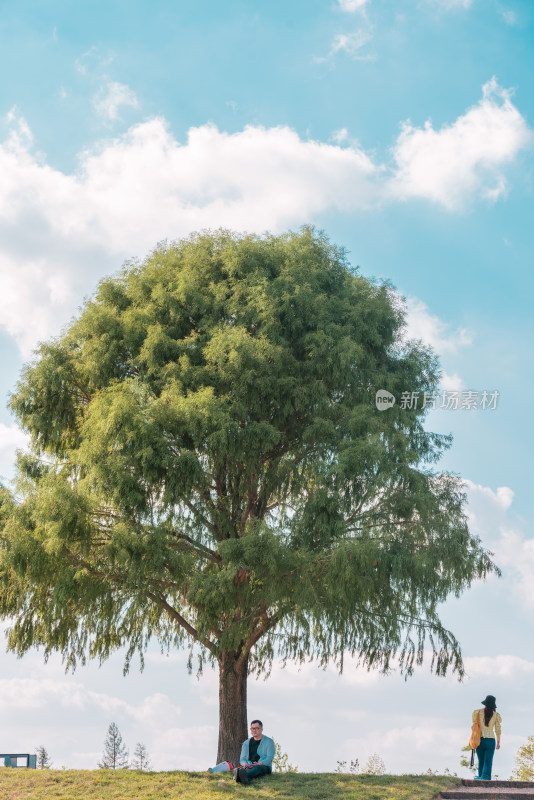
485 752
246 775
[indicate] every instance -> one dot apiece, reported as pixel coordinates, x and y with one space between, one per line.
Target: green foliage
43 759
445 772
115 754
374 766
281 761
353 768
208 466
125 785
524 762
465 760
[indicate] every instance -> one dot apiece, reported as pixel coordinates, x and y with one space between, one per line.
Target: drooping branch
252 496
112 577
196 513
162 603
197 547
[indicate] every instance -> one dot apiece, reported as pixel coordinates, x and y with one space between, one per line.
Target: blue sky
405 129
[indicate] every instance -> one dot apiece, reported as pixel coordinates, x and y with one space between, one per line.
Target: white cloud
340 136
459 161
500 666
426 741
352 43
515 553
509 16
31 693
184 748
451 383
352 5
487 512
489 518
422 324
20 135
501 498
111 97
11 439
52 706
93 60
61 232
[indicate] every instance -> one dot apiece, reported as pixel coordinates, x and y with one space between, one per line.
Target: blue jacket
265 752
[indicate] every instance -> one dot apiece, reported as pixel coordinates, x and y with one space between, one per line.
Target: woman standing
490 729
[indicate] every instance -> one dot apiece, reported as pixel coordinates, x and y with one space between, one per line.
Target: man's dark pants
246 775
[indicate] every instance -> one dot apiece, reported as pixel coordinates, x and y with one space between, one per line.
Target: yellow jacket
491 731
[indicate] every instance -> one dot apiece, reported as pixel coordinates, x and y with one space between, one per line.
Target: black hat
490 702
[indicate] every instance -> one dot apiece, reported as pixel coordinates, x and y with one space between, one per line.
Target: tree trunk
233 727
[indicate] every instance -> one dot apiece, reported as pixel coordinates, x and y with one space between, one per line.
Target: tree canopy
208 466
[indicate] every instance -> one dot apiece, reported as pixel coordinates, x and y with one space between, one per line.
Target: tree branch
116 578
162 603
198 547
252 496
205 521
265 625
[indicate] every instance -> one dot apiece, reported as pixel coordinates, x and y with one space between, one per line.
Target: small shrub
354 767
375 765
281 761
524 762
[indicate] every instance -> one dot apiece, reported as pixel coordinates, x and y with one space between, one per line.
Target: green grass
25 784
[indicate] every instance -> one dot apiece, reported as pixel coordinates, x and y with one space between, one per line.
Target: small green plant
375 765
524 762
353 769
465 761
281 761
440 772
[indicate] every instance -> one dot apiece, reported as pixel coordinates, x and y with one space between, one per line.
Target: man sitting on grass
257 755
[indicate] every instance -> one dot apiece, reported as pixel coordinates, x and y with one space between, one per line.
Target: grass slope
25 784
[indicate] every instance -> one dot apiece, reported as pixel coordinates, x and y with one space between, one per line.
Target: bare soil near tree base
25 784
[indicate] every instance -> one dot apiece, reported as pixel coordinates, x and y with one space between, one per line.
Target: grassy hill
25 784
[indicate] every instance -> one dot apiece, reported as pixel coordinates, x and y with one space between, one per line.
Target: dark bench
12 760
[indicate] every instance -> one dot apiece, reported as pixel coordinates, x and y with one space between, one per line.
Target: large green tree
208 466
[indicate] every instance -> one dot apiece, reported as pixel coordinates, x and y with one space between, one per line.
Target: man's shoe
243 777
236 775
